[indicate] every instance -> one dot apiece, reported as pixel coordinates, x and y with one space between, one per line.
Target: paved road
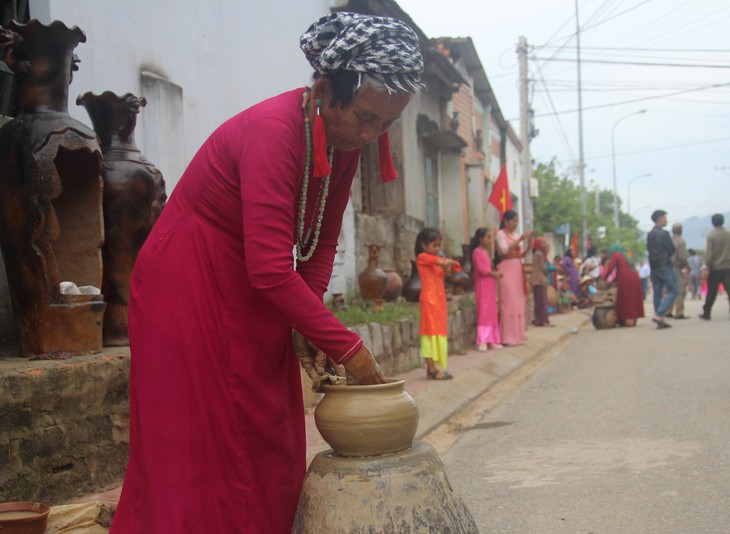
621 431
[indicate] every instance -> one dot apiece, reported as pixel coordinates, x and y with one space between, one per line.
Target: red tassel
319 147
385 160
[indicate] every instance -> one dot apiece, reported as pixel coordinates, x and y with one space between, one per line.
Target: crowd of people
501 285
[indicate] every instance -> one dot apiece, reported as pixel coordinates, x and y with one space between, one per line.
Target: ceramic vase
51 220
372 280
134 195
359 421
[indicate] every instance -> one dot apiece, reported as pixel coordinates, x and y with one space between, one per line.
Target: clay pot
394 285
359 421
412 288
604 318
459 281
23 517
552 297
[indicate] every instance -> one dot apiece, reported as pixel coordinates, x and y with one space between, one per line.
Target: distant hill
695 230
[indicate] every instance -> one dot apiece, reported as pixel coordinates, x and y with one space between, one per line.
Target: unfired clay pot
359 421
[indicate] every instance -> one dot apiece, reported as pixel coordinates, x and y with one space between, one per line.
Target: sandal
435 375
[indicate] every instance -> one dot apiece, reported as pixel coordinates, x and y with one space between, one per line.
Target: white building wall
224 55
414 155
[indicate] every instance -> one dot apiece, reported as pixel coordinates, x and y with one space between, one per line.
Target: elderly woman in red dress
629 294
217 441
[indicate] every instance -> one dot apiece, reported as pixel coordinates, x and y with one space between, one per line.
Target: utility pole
581 163
525 164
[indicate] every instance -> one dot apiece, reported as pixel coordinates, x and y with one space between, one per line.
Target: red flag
574 244
500 197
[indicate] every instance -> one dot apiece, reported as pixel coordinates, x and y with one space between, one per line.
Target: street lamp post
613 160
628 190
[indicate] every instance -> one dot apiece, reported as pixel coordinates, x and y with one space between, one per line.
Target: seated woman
629 297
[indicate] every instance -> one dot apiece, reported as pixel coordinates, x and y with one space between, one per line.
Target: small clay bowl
23 517
358 421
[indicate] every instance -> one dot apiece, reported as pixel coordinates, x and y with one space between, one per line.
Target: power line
636 49
638 63
659 149
636 100
555 115
616 15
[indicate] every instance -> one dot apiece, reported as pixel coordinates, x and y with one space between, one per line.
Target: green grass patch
361 312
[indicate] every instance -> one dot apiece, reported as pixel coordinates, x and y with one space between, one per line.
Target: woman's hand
362 369
318 366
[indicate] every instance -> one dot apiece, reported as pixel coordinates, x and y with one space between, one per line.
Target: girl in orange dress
434 315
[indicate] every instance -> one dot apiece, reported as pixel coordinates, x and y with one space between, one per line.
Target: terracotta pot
459 281
23 517
359 421
552 296
604 318
394 285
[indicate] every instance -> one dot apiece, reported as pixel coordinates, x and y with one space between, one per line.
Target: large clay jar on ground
359 421
412 288
394 285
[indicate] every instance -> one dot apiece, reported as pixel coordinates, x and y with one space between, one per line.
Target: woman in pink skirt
512 284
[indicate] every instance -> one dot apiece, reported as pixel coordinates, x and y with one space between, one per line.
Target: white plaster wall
225 55
414 156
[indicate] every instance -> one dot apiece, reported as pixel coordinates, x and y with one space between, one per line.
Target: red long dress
217 440
629 294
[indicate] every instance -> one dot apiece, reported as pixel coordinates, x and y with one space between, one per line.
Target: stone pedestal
404 492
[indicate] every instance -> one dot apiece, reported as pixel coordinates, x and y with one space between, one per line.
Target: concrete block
387 331
397 339
363 331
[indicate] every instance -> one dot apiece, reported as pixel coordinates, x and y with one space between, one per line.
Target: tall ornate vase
412 288
51 223
134 195
372 280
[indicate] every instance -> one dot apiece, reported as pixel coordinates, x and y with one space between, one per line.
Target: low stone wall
64 425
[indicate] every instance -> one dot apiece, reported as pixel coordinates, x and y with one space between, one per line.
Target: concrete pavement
474 372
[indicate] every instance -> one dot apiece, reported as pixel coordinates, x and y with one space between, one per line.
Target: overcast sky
683 138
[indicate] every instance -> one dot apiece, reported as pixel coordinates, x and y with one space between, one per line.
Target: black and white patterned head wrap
381 47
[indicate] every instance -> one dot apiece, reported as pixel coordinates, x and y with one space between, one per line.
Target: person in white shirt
644 274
